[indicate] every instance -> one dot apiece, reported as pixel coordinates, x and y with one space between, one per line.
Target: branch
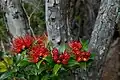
29 18
34 10
2 45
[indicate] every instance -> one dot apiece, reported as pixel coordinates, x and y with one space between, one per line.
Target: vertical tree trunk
102 34
15 17
54 21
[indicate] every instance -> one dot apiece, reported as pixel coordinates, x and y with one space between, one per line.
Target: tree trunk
80 16
55 25
15 17
101 36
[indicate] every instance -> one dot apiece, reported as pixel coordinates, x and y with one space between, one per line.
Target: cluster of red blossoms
20 43
79 54
38 52
35 51
60 58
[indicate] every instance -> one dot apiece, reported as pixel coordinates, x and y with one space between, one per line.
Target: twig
2 45
29 18
34 10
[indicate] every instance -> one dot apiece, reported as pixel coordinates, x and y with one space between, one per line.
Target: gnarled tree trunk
102 34
15 17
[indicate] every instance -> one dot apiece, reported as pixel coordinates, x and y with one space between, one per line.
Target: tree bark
55 25
15 17
102 34
80 16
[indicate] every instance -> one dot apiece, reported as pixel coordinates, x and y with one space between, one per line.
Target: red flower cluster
42 39
60 58
76 49
83 56
38 52
19 43
35 51
75 45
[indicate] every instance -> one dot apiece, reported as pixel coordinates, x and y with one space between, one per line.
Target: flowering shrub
37 59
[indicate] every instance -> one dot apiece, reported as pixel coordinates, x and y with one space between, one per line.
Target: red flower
42 40
55 54
55 58
75 45
44 51
34 59
76 52
84 56
19 43
58 61
38 52
55 51
28 40
66 58
78 58
60 58
64 61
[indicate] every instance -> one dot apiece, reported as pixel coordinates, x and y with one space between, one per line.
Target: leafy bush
37 59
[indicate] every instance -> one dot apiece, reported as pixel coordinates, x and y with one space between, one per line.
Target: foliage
3 31
35 58
36 13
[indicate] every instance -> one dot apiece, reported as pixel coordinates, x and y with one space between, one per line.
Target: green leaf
83 65
31 69
3 66
17 58
50 45
8 60
49 60
54 77
34 77
85 44
41 69
92 56
26 59
23 63
89 62
38 64
21 76
5 75
56 68
62 47
23 53
46 77
72 63
1 54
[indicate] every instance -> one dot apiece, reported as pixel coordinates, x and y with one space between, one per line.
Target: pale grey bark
54 22
2 46
101 36
15 17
